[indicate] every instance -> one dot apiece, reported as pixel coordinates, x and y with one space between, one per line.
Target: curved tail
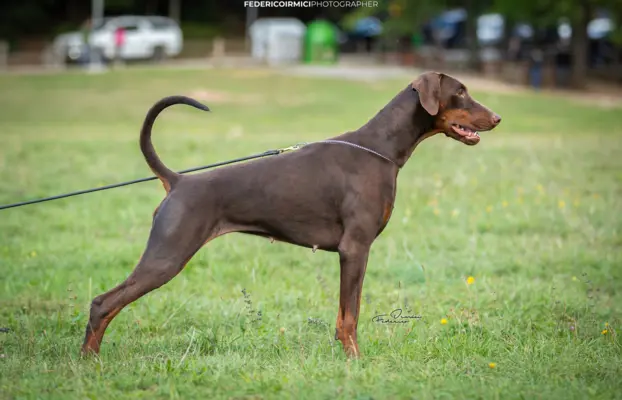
166 175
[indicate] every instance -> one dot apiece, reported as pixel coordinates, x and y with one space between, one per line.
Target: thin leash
185 171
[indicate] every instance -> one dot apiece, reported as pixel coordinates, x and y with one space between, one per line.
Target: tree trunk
580 46
471 31
174 10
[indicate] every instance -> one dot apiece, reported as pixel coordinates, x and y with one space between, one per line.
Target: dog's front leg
353 258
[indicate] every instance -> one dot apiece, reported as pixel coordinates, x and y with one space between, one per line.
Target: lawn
533 214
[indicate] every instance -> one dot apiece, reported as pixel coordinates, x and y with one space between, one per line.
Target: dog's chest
388 202
386 214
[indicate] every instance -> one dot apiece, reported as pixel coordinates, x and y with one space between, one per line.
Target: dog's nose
496 119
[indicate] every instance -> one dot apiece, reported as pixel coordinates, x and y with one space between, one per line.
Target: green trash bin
320 44
417 41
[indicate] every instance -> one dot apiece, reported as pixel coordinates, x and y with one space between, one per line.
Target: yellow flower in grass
470 280
574 278
33 253
606 324
489 209
504 204
561 204
455 212
437 211
444 321
604 332
492 365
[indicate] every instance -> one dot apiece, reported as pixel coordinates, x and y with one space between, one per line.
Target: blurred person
536 58
119 41
563 66
514 47
85 53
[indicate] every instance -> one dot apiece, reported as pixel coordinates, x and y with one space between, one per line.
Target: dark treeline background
24 18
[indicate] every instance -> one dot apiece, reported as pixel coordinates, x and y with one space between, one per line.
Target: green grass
533 213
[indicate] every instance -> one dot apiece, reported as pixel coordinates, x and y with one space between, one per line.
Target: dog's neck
397 129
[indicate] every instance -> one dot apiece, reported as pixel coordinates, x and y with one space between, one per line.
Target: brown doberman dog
335 195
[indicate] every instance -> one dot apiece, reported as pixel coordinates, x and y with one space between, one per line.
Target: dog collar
301 145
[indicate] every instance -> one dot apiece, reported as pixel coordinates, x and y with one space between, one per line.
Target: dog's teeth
314 248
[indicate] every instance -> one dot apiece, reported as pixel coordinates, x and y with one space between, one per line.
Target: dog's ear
428 85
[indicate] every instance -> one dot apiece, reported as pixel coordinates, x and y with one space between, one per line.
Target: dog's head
456 113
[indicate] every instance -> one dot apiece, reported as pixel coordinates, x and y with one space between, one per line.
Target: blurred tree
44 18
119 3
401 17
72 8
544 13
474 9
27 16
151 7
407 17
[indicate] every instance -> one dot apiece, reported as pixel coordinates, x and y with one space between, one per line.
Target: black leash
116 185
260 155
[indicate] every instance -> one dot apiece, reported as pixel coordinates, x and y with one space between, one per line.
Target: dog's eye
461 92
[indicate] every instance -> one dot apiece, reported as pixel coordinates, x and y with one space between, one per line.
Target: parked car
145 37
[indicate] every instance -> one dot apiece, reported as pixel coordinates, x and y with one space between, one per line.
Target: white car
146 37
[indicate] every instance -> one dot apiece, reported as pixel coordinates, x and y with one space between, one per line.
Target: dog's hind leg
175 237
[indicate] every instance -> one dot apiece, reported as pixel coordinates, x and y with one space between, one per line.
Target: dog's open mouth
465 135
